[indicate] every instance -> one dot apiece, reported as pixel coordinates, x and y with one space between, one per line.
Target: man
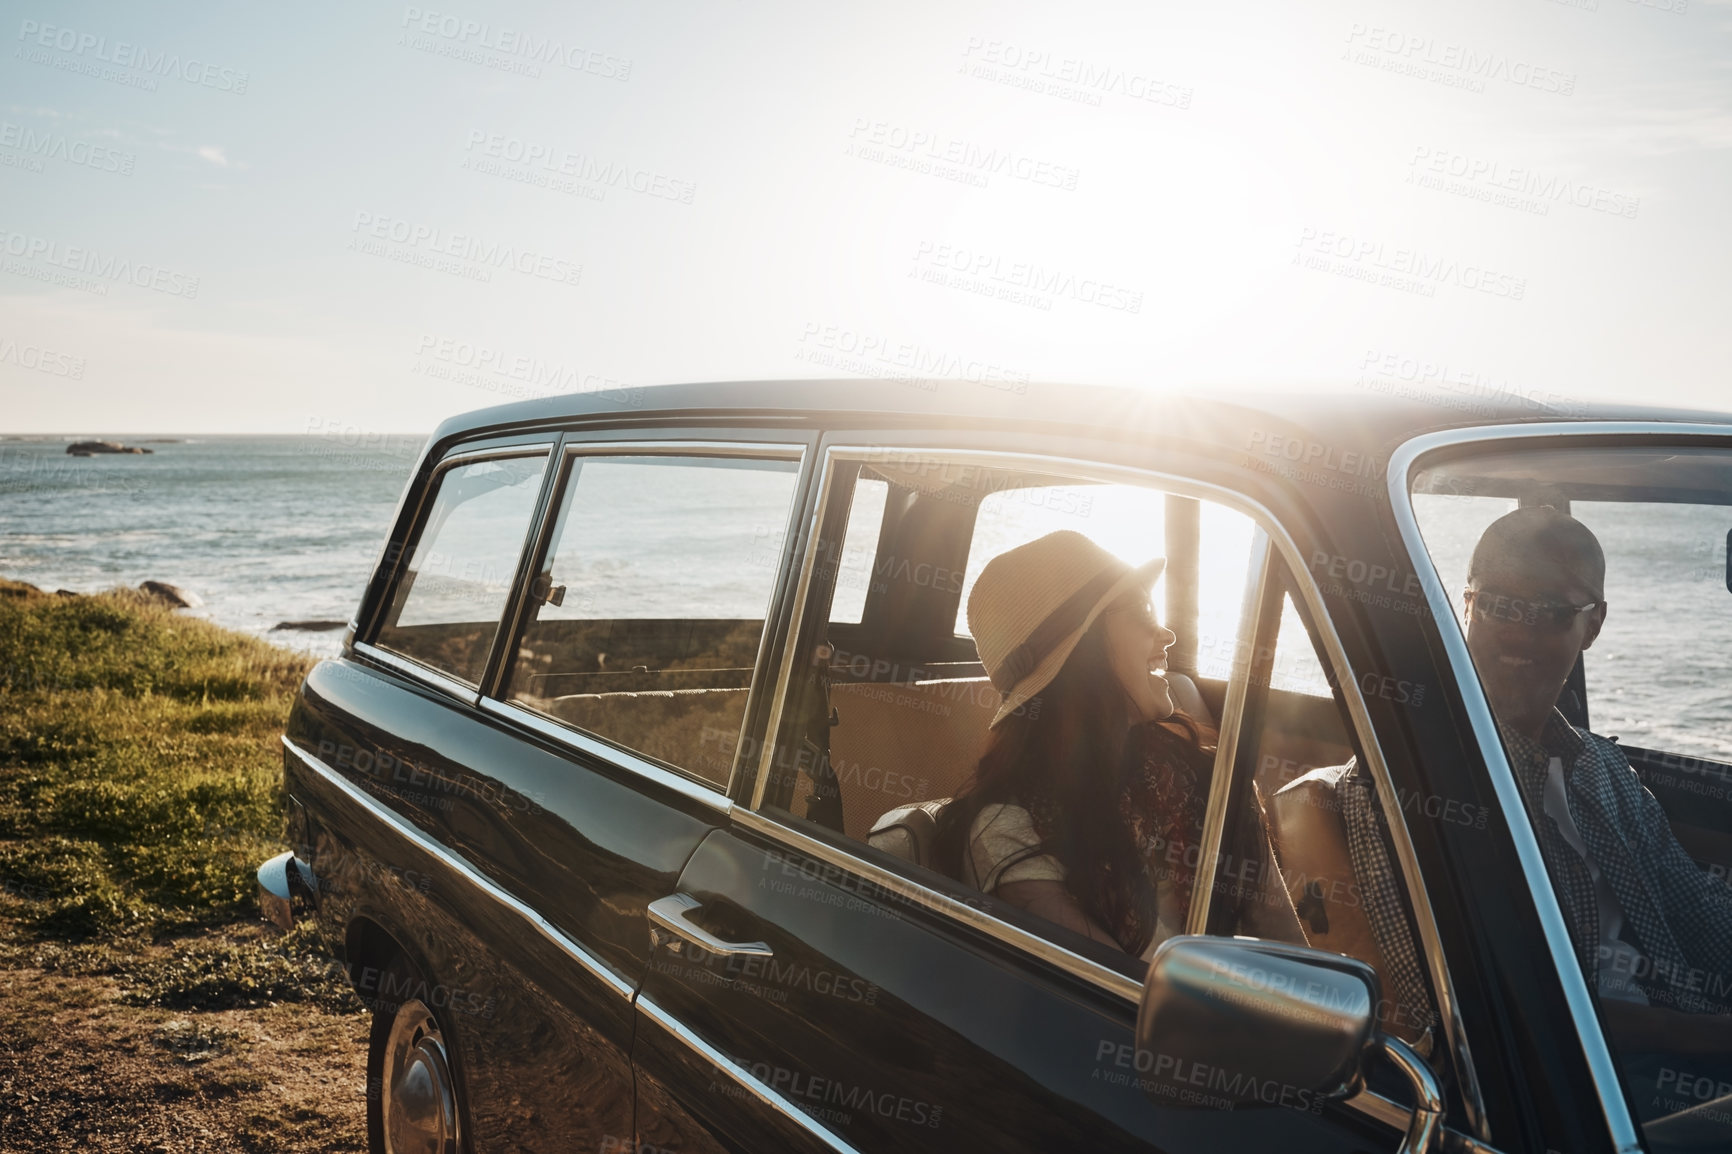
1652 930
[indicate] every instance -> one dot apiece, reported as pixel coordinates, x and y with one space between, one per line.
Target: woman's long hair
1064 757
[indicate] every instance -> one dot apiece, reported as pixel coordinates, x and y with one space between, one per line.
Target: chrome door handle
670 924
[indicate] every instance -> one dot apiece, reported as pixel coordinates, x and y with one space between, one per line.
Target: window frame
1278 547
1406 460
666 443
426 494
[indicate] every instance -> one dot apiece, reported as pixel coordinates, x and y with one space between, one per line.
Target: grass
140 773
144 1004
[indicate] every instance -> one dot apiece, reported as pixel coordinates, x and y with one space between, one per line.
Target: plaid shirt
1676 914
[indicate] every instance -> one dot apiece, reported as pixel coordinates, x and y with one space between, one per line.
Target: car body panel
546 1050
952 1040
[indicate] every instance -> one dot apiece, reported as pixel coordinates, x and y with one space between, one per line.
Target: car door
1645 507
542 834
812 991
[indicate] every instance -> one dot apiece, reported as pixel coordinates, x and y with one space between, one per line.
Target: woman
1087 807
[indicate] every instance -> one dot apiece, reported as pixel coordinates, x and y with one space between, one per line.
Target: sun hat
1032 604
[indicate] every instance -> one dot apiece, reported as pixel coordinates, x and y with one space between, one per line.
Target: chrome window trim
694 788
461 866
472 456
598 744
409 667
402 662
740 1077
1304 583
918 895
1258 579
780 450
1576 993
784 681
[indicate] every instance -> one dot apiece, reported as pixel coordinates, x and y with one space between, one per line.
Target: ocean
268 529
265 529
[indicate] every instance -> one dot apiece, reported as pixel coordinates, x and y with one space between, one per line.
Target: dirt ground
81 1069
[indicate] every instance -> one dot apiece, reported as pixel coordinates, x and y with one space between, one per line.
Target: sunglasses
1495 605
1140 611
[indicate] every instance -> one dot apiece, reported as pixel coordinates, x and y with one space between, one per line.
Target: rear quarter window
447 604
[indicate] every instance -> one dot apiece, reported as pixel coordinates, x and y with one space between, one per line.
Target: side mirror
1231 1022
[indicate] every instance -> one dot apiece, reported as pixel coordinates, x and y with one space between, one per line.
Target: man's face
1523 641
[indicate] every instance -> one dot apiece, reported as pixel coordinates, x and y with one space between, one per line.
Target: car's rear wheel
414 1103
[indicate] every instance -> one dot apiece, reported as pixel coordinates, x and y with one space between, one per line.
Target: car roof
1350 416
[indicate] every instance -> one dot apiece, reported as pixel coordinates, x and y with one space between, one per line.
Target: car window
1129 521
1323 814
1591 588
644 620
447 603
854 568
889 713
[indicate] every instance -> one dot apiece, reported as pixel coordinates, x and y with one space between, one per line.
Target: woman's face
1137 650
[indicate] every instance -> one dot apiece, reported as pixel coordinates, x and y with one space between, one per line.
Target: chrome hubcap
420 1098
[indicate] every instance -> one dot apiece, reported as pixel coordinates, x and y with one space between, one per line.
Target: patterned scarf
1161 802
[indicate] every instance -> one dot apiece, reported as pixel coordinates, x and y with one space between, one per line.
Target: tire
414 1097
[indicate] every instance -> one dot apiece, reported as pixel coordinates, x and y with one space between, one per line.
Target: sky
303 218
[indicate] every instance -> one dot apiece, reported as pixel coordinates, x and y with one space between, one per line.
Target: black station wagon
618 804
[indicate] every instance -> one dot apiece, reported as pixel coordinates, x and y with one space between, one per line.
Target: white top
1619 960
1000 831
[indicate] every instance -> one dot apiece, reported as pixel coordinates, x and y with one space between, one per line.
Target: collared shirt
1676 918
1619 960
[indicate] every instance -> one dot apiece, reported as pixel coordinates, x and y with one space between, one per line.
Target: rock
90 448
10 588
170 595
67 593
315 626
